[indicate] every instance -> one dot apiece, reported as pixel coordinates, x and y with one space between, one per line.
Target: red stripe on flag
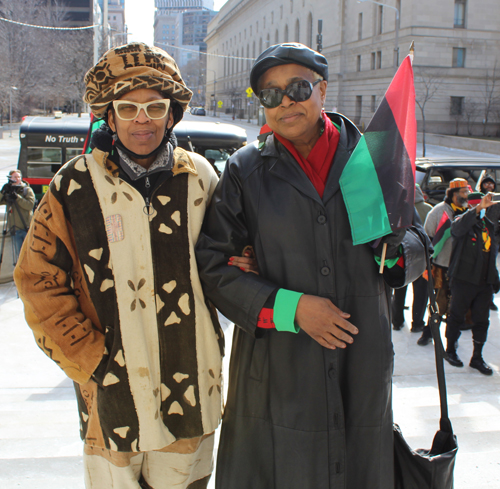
400 90
444 219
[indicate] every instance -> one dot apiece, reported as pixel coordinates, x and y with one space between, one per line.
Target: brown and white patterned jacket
105 284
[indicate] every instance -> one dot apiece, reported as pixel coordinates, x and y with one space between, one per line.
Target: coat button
325 271
322 219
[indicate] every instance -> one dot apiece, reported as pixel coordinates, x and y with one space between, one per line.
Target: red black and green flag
378 181
443 232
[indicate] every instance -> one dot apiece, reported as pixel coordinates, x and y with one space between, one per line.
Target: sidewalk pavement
40 446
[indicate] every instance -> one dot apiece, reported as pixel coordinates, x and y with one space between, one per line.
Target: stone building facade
116 21
456 65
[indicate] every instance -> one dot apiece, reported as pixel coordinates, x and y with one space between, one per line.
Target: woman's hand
247 262
324 322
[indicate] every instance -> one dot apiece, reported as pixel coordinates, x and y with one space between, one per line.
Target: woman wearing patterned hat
110 283
309 402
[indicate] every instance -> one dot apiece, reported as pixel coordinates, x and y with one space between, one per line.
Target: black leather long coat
299 416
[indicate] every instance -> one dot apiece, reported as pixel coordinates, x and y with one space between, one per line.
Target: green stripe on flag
363 197
439 245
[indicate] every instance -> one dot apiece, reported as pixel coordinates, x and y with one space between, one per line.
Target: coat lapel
284 166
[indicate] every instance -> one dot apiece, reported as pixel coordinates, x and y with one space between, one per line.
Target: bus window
72 152
43 162
51 155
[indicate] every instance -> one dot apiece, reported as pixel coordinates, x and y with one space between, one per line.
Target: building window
291 6
458 58
297 31
358 63
379 60
276 37
286 34
360 27
459 17
374 57
359 102
380 23
374 103
272 17
281 11
456 105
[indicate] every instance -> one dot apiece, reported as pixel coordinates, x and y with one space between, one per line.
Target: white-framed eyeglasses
127 110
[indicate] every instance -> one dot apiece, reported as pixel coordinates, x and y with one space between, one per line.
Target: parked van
49 142
434 174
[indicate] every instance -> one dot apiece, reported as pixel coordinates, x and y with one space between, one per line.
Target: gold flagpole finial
412 51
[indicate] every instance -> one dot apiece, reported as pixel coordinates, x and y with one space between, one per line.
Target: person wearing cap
309 401
488 184
110 284
454 204
473 275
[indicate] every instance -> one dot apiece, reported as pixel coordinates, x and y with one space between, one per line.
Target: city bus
49 142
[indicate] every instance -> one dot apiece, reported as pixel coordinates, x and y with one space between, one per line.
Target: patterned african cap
458 183
132 67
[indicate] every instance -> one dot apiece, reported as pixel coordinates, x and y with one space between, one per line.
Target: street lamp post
215 89
396 34
10 115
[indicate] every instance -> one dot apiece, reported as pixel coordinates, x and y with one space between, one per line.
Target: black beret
286 53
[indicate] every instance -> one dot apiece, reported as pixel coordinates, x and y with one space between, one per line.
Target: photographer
20 200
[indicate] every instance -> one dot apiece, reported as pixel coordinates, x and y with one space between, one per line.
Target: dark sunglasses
298 91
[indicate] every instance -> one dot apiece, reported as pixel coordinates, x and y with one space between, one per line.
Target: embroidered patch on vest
114 228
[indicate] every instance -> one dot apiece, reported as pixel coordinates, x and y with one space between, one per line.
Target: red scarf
319 161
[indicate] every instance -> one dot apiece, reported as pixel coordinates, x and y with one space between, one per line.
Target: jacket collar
183 163
283 165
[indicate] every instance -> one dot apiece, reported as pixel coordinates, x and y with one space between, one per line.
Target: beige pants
186 464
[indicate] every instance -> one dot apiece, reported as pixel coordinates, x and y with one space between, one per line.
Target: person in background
309 403
436 226
488 184
472 273
110 284
19 198
420 294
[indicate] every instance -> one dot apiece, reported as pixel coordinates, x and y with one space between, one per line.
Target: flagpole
382 258
384 247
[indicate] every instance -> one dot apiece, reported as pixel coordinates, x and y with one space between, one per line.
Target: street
40 446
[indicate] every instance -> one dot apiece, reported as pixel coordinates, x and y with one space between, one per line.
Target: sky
139 17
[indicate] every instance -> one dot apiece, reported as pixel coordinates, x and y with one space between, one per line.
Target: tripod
12 206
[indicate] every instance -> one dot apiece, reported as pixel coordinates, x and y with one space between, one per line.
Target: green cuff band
389 262
284 310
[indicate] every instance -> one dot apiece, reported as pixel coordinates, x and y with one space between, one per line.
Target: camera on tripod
10 192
